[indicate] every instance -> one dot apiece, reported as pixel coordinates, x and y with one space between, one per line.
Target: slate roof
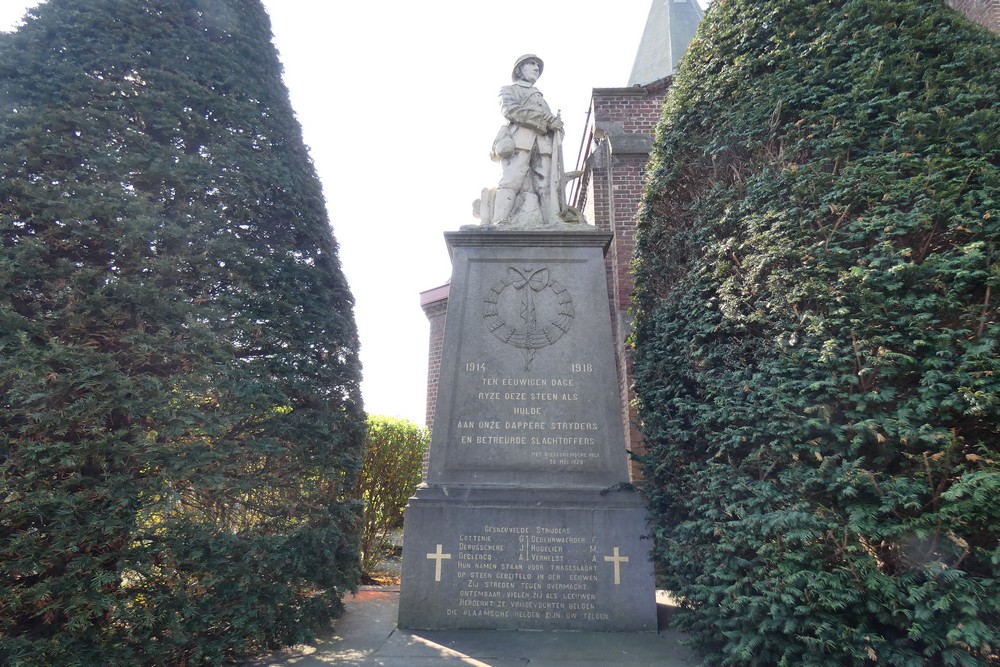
670 26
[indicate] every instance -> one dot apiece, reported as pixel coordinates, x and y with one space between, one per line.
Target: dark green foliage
818 268
394 455
180 418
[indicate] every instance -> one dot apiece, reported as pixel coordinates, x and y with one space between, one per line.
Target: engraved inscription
531 572
533 413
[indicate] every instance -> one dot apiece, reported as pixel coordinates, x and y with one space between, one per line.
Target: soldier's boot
502 205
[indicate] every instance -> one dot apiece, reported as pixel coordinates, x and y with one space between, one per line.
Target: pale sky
398 104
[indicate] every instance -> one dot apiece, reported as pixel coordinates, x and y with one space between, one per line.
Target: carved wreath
529 334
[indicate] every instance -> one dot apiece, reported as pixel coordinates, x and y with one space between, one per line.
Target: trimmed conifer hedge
818 273
180 416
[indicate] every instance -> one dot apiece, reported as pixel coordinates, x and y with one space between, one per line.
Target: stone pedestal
525 521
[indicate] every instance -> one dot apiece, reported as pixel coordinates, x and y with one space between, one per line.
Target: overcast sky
398 104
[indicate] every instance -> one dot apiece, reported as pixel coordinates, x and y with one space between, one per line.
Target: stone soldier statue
529 148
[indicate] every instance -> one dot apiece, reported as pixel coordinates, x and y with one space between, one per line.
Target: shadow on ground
367 636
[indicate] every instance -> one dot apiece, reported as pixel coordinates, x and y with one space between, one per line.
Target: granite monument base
488 558
514 528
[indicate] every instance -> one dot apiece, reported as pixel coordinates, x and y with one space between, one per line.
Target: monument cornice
528 238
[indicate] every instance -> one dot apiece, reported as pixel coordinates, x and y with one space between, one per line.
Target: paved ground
367 636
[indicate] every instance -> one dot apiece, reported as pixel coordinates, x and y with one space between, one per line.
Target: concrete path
367 636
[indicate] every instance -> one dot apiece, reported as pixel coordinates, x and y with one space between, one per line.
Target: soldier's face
530 71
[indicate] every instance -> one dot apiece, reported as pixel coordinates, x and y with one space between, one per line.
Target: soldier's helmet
523 59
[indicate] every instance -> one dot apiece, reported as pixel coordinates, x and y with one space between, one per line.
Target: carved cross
617 560
438 556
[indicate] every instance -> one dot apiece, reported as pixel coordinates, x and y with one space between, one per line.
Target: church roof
670 26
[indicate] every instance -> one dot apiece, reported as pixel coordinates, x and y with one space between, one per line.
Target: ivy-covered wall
817 363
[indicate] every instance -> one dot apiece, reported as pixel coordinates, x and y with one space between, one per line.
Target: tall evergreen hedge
180 418
818 274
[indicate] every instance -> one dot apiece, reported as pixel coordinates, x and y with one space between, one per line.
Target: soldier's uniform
528 166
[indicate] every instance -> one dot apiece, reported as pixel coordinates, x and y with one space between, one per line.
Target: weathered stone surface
528 404
521 523
527 560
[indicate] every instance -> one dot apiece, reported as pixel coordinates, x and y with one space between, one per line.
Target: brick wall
984 12
436 314
622 121
633 110
435 305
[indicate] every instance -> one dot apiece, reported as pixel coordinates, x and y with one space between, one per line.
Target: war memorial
526 519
